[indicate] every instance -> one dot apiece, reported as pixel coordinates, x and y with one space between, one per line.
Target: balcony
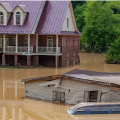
48 49
21 49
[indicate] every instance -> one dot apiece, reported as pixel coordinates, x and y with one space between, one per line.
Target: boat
94 108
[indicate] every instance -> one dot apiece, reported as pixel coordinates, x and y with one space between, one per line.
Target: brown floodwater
13 105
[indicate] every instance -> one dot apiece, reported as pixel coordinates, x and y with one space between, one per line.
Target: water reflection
13 106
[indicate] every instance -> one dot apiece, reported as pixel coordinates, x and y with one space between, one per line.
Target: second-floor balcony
42 49
21 49
24 50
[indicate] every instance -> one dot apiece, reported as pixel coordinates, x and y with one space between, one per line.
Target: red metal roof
33 8
52 17
51 20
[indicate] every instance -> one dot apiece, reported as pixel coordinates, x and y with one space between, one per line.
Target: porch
31 45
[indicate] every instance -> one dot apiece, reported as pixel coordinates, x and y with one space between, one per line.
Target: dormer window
20 13
18 18
5 13
1 18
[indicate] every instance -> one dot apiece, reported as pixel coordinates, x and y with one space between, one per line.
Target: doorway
59 96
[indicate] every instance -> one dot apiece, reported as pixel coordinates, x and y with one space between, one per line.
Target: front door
49 44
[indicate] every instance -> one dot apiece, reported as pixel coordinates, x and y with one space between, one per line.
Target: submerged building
75 86
36 33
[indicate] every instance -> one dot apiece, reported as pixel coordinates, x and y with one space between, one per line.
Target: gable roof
6 6
102 78
50 22
22 7
52 17
90 73
33 7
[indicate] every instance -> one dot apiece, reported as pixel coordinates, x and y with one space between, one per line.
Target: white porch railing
48 49
21 49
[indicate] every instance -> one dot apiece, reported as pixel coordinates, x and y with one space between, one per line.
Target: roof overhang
6 6
22 7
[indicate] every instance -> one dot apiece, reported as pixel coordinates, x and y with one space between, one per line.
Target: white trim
28 43
2 18
4 43
56 44
37 43
16 44
21 16
54 54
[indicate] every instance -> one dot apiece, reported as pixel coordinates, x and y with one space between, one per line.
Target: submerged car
95 108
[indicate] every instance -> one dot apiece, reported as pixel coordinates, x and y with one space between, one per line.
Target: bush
113 54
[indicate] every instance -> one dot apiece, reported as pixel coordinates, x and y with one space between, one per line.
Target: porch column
28 43
56 50
15 60
28 61
37 43
3 59
16 47
4 43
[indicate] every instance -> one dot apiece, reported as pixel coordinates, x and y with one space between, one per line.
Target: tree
113 54
75 3
102 25
79 16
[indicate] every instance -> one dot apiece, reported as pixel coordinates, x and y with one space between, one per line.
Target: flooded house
35 32
75 86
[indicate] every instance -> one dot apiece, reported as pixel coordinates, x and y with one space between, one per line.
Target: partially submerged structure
75 86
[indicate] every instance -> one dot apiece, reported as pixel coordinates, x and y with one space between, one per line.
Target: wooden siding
77 90
71 25
74 91
114 95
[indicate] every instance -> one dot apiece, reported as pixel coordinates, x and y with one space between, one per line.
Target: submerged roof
111 79
90 73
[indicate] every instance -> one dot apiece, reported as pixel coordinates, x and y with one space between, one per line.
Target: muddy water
13 106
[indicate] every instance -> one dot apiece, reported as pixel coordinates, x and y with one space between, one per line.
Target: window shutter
99 96
86 95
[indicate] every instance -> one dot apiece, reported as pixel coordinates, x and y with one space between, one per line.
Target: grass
10 67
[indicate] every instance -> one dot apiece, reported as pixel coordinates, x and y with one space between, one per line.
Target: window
1 18
67 22
92 96
66 43
26 40
49 41
14 39
73 43
18 17
1 40
7 40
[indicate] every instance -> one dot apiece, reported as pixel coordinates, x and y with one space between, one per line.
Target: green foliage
79 16
75 3
113 54
102 26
